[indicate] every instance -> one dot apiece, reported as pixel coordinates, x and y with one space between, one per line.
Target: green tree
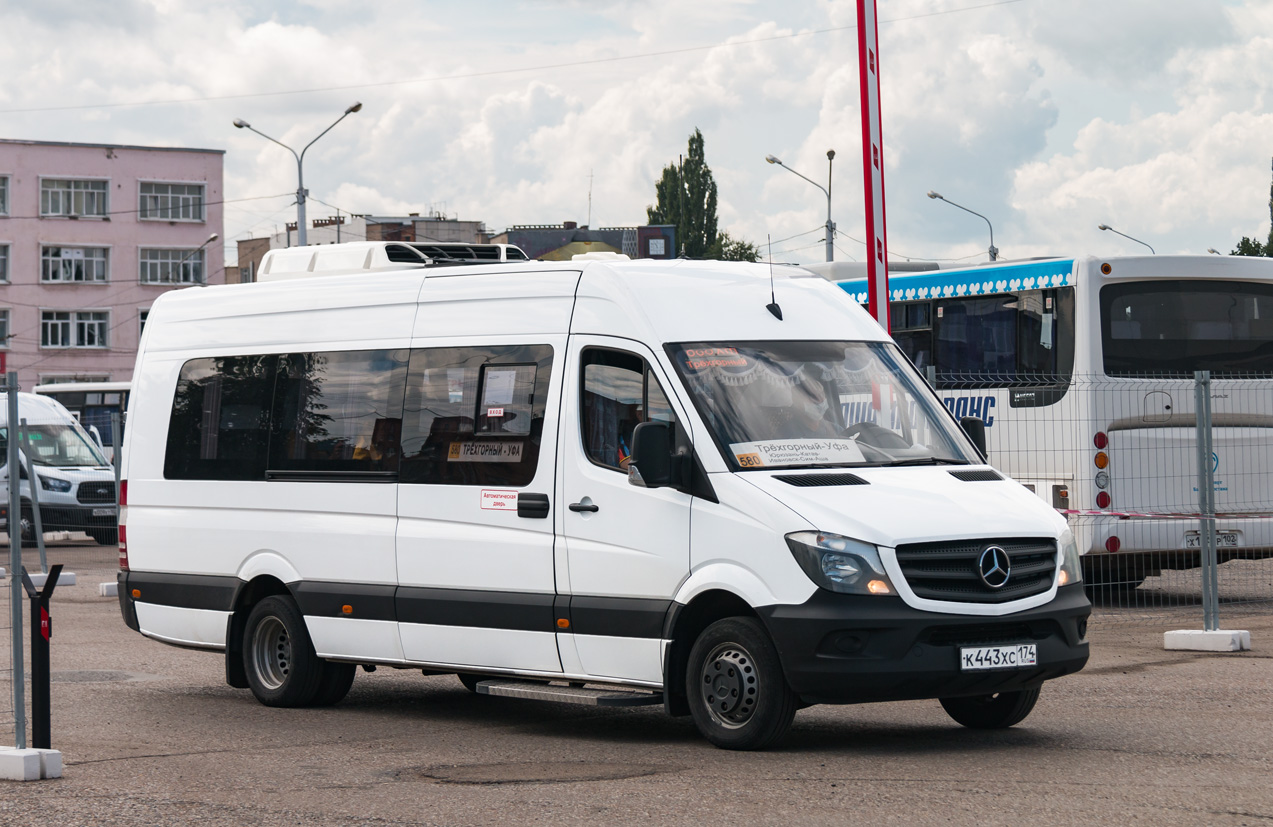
1252 247
728 248
685 196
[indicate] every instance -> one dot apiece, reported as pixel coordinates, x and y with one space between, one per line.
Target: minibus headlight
840 564
1071 566
55 484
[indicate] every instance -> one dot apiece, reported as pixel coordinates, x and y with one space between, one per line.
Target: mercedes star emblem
994 567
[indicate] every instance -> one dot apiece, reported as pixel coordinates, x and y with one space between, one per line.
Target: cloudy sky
1048 117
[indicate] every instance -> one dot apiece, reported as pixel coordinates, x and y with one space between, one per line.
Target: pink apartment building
90 236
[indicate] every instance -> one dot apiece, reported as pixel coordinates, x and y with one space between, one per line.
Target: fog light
1063 578
878 587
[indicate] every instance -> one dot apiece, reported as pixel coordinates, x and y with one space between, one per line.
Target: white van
608 482
77 484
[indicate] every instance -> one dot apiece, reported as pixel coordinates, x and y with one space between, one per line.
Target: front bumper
839 648
78 517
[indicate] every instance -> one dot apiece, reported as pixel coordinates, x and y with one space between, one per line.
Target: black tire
105 536
334 685
998 711
470 681
278 657
737 693
26 525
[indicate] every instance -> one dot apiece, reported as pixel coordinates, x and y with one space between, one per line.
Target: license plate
980 658
1224 539
103 512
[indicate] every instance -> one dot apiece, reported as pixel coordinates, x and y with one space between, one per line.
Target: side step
538 691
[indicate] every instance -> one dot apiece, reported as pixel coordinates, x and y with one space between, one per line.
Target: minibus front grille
96 492
950 570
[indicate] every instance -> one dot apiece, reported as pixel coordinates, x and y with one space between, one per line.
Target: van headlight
840 564
55 484
1071 566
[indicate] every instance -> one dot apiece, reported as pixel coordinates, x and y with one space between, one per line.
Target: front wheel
279 659
737 694
997 711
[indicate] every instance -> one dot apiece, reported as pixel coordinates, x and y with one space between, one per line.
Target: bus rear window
1173 328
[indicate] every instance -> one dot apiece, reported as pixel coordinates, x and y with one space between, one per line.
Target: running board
537 691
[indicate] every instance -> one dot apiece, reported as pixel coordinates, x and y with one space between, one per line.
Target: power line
496 72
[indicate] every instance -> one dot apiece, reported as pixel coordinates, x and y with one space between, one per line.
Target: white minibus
603 482
1083 371
93 404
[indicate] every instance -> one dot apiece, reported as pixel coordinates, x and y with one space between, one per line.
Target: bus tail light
123 534
1113 544
1100 440
1102 460
1102 499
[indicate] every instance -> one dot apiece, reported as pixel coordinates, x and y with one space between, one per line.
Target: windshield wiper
926 461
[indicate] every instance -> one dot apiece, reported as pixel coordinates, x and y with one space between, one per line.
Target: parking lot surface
152 735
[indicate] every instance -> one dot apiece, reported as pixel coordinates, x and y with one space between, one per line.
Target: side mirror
975 429
96 435
651 462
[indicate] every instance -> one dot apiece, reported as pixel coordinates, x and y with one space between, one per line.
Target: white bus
92 403
1082 369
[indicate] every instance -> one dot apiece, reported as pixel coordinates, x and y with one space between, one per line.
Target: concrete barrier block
1197 640
50 763
19 764
66 578
110 589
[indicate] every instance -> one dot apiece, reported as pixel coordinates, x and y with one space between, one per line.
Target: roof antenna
772 307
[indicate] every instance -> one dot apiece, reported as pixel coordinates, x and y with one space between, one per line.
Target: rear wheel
279 659
737 694
27 524
997 711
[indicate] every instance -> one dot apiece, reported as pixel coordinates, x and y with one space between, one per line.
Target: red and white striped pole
873 162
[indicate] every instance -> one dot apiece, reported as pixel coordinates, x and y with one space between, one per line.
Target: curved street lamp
301 192
994 251
1125 235
827 189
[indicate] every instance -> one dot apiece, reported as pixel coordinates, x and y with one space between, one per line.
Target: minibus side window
619 393
219 429
338 411
474 415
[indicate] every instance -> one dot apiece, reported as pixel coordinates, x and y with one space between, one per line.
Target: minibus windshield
60 446
817 405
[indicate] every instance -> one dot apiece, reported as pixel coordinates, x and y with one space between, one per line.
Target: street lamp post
1125 235
195 252
994 251
827 189
301 192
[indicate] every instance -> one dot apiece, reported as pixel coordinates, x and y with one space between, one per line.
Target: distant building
90 236
551 242
344 227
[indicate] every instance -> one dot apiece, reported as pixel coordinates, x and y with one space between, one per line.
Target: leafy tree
728 248
686 197
1252 247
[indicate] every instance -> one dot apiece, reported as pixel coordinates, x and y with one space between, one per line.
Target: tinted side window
475 415
338 412
977 337
619 393
219 428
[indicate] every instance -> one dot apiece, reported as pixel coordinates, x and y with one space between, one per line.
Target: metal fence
1166 481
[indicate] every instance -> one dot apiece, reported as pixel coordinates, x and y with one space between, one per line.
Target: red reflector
1100 440
1102 499
123 492
1113 544
123 549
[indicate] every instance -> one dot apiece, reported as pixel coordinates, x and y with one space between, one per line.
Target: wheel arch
684 624
247 595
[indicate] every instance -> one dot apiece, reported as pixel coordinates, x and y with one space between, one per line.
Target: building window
246 274
164 266
74 328
141 321
170 202
4 262
62 196
4 195
73 264
4 329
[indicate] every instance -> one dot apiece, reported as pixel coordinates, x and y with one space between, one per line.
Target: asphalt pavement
151 735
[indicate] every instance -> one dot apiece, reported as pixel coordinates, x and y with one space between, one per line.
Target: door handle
588 507
532 505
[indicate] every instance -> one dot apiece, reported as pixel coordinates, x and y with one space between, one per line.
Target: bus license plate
980 658
1224 539
103 512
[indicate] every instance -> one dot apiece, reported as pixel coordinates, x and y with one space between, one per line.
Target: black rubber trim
619 616
525 611
126 607
331 476
368 601
186 591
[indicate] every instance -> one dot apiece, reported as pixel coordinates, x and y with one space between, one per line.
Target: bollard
41 633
